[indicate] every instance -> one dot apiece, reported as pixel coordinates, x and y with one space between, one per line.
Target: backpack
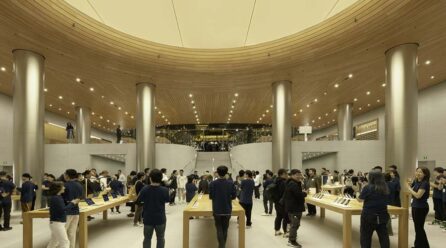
273 191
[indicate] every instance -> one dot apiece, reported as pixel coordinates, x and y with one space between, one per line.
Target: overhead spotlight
355 100
159 112
156 107
196 112
360 108
312 121
126 112
50 105
100 117
193 107
383 85
236 94
68 112
300 110
92 113
164 116
315 99
378 100
78 80
257 121
60 109
368 92
192 101
295 114
132 116
108 120
196 116
350 75
432 77
234 101
46 90
325 93
73 103
271 106
232 106
267 111
319 117
336 85
260 118
3 68
230 111
308 105
428 62
326 114
334 110
101 96
111 103
60 97
190 95
119 108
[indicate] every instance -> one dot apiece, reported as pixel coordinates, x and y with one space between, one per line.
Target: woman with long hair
374 216
419 188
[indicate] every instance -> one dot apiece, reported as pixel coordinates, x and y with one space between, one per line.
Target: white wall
329 161
101 164
59 157
254 156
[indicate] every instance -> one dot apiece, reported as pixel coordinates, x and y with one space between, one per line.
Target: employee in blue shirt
154 198
26 193
73 190
117 188
419 189
222 192
6 190
58 216
247 190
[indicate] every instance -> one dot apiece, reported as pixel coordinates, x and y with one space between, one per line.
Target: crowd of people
285 192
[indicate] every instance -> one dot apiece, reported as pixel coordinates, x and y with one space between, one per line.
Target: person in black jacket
294 199
203 185
6 190
173 187
279 189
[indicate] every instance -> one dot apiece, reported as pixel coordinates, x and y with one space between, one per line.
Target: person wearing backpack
276 194
294 199
267 194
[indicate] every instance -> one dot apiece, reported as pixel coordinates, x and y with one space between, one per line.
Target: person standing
277 194
182 180
221 193
70 132
191 189
257 183
312 182
267 200
437 196
123 179
173 187
58 216
47 180
419 189
26 193
6 190
139 185
247 190
374 216
117 188
73 190
294 199
203 185
153 198
118 134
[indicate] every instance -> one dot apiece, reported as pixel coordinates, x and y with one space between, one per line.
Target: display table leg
347 230
185 230
241 230
105 215
322 213
27 231
83 231
403 229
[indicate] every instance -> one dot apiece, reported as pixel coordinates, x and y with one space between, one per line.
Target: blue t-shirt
27 192
191 189
117 187
394 192
422 202
73 190
6 187
374 202
57 208
222 192
154 199
247 187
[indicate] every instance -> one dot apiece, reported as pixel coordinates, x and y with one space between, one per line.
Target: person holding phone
419 189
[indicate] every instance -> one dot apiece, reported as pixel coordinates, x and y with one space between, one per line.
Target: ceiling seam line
250 21
332 8
95 11
178 25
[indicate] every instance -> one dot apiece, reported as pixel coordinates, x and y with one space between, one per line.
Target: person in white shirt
182 180
123 179
257 184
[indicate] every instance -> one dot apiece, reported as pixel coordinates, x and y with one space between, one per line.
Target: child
26 193
58 217
118 188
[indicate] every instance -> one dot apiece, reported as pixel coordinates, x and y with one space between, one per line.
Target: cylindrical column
402 110
83 125
281 125
345 122
28 105
145 126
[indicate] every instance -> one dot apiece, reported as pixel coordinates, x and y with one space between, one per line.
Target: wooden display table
85 210
355 208
15 197
333 189
201 205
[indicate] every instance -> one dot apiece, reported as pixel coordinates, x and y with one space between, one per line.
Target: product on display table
347 206
86 208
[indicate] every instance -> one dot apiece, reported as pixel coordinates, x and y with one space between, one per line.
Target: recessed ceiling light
257 121
192 101
101 96
78 80
378 100
108 120
326 114
295 114
46 90
68 112
271 106
196 112
355 100
132 117
336 85
428 62
230 115
159 112
368 92
92 89
368 105
260 118
119 108
325 93
334 110
232 106
164 116
168 123
300 110
267 111
350 75
360 108
190 95
308 105
383 85
50 105
432 77
315 99
114 123
236 94
111 103
92 113
73 103
312 121
263 115
60 109
234 101
319 117
100 117
156 107
60 97
3 68
193 107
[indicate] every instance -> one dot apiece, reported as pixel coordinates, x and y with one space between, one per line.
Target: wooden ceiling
111 62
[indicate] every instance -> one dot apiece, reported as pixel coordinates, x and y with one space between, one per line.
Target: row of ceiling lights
264 114
232 109
194 108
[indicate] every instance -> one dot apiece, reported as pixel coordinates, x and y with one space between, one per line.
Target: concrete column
145 126
402 117
29 107
345 122
83 125
281 125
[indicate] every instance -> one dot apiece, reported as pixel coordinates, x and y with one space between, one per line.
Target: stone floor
118 231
